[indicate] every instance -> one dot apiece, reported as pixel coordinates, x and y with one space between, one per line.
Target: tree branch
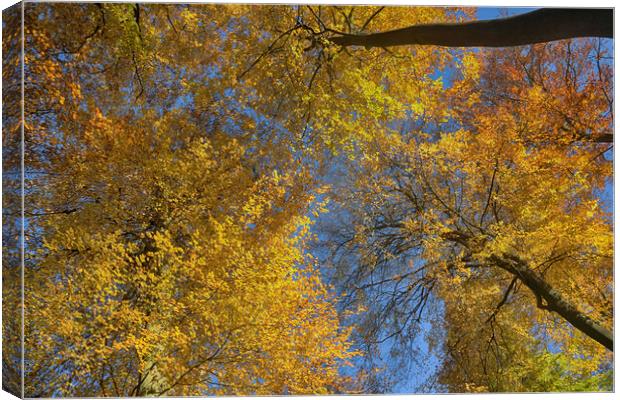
544 25
504 299
547 298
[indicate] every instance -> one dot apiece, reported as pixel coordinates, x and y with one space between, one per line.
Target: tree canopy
236 199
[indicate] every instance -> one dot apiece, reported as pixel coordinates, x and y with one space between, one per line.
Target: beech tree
462 214
166 245
177 157
172 269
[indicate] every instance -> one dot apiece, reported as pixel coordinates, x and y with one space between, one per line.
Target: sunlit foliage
178 158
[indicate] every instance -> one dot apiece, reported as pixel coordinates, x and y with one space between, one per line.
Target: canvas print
237 199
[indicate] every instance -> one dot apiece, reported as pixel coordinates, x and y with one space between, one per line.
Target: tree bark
544 25
551 300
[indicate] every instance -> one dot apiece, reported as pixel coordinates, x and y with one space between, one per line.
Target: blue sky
494 12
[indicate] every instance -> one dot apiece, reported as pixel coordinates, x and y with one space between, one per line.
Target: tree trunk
538 26
553 300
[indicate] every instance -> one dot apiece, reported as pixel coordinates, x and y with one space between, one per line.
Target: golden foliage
177 159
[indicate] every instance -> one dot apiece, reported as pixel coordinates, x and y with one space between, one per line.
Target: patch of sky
213 71
606 197
183 101
264 36
484 13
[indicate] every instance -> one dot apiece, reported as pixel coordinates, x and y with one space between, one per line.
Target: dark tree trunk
539 26
551 300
